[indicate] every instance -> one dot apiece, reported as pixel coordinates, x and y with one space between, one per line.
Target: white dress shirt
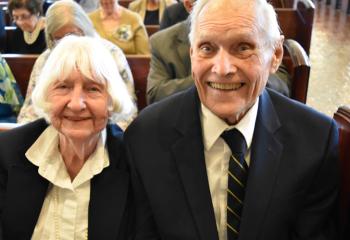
64 214
217 154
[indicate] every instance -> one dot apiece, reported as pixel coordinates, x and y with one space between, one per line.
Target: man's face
230 60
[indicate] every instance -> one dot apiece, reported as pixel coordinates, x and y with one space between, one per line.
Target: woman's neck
152 5
76 152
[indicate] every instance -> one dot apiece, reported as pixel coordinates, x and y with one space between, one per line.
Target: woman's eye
94 89
62 86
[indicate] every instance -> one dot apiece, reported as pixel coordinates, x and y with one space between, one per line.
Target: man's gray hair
265 14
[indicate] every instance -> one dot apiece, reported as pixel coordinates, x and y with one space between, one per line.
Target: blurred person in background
151 11
121 26
29 36
10 95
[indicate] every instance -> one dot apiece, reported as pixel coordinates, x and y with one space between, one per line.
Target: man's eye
244 47
206 49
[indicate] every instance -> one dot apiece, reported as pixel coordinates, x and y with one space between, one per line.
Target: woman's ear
277 55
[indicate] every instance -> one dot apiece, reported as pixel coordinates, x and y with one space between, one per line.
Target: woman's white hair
95 62
64 13
266 20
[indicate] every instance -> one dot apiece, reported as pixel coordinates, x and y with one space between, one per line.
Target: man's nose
224 63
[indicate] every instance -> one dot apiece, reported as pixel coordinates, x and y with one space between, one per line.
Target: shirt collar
45 154
213 126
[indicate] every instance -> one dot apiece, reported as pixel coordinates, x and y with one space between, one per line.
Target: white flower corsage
123 33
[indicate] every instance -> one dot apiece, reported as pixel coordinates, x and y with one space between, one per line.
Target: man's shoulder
164 111
164 36
292 111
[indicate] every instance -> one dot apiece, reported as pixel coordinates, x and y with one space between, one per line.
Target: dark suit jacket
293 176
173 14
23 190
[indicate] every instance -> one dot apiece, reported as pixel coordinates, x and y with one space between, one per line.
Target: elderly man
170 70
229 159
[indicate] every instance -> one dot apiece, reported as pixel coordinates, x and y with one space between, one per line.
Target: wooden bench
342 116
298 64
151 29
22 65
296 23
139 66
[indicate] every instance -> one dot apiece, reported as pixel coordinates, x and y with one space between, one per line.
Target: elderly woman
121 26
29 34
65 177
151 11
66 17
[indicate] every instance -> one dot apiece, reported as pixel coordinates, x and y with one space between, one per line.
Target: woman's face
107 6
79 107
24 19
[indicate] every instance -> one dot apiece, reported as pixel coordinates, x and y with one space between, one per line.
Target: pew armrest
298 64
342 117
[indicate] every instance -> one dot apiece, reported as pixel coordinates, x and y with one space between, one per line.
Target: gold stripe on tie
233 212
238 200
238 163
230 227
236 179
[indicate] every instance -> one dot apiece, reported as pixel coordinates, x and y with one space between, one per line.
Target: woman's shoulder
95 14
134 5
129 14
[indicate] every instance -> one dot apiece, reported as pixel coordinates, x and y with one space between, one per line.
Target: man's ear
277 55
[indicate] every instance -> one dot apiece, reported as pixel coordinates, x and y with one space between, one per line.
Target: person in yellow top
121 26
151 11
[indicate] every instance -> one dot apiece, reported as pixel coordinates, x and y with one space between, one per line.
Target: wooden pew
22 65
342 116
282 3
298 64
139 65
296 23
151 29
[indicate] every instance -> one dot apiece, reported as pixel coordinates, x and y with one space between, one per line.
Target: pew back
342 116
296 23
22 65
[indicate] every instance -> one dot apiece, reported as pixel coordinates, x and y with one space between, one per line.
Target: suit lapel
189 156
266 151
109 191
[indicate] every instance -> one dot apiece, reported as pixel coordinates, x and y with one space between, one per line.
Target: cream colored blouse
64 214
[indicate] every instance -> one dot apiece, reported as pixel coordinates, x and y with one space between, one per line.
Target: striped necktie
237 178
